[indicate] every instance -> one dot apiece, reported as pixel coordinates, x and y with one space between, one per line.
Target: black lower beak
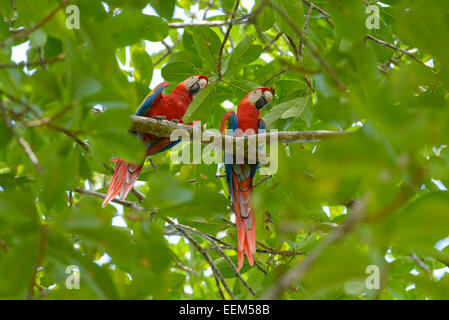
262 102
194 89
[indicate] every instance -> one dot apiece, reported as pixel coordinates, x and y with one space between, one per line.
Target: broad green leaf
178 71
265 18
165 8
155 28
294 10
130 26
18 264
243 54
138 4
207 45
202 102
349 18
227 270
143 66
292 108
428 214
97 278
38 38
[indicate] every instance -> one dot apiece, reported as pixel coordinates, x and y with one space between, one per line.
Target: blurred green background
67 94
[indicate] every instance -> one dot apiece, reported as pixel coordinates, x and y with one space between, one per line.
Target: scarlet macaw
173 106
239 177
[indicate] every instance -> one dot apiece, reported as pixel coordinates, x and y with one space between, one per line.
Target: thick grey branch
164 128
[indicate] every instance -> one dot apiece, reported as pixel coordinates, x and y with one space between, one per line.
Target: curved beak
198 85
264 100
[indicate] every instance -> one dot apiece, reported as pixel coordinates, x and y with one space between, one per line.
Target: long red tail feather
245 222
124 177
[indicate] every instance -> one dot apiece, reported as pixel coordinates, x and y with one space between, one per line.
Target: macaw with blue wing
173 106
239 177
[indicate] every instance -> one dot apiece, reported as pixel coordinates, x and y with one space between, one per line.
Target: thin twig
314 52
57 58
210 4
206 256
262 180
322 11
125 203
223 43
23 143
212 240
233 267
184 268
218 23
421 264
392 46
260 267
24 33
180 228
168 52
40 258
297 273
272 42
304 30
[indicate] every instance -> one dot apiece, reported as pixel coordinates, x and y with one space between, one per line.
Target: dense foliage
376 197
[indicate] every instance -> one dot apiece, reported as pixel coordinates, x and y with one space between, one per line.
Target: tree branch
391 46
178 227
323 62
24 33
164 128
217 23
297 273
304 29
322 11
228 31
57 58
23 143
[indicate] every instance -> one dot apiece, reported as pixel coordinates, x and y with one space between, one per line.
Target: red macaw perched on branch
239 177
173 106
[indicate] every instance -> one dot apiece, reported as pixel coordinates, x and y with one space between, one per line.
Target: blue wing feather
148 101
232 122
262 128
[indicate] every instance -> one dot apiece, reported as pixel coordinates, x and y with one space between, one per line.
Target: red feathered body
173 106
248 117
240 180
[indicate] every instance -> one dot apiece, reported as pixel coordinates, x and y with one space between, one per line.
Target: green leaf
265 18
18 263
207 45
349 18
164 8
21 203
202 101
38 38
178 71
130 26
155 29
138 4
143 66
227 270
5 134
423 222
288 109
87 87
96 277
243 54
294 10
